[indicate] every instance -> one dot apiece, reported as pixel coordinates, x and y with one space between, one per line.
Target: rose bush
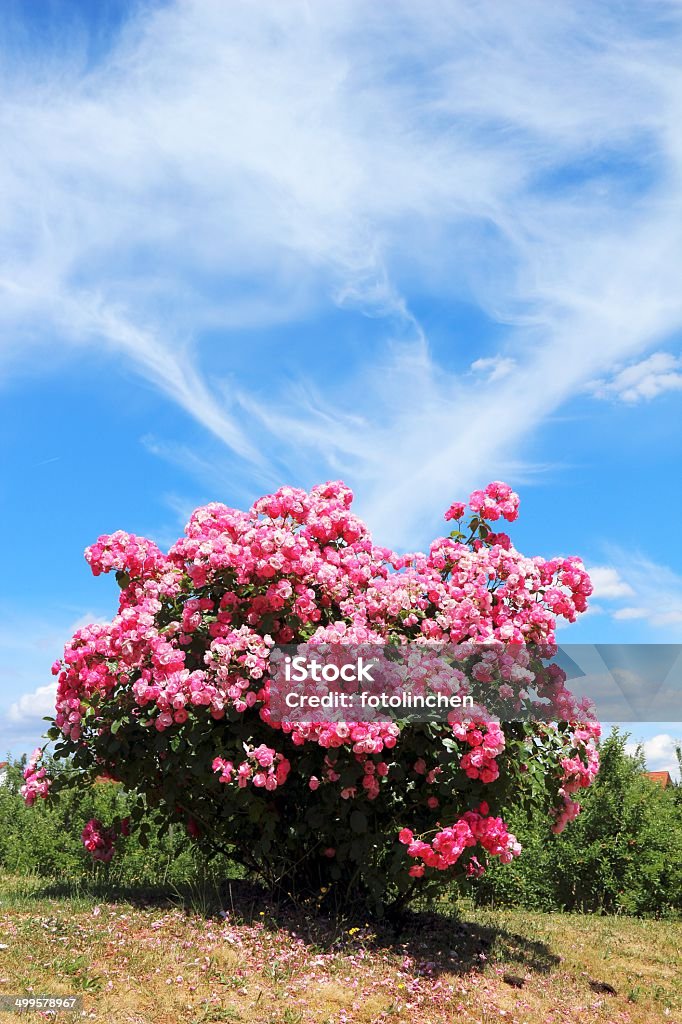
172 697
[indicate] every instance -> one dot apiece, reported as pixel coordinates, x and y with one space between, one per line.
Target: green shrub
622 854
180 695
45 839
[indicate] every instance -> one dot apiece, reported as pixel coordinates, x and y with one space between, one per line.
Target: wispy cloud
231 167
643 380
635 588
494 367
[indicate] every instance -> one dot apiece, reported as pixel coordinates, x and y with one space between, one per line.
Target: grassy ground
134 957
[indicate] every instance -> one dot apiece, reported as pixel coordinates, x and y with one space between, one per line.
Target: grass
140 957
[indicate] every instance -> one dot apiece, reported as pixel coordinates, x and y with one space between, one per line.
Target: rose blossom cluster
36 783
263 768
98 840
577 774
446 594
448 844
486 740
495 502
360 737
196 627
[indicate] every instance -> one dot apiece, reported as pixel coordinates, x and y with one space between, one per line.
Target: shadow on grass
440 940
139 895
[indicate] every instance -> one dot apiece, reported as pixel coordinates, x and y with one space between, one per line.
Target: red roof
660 778
3 764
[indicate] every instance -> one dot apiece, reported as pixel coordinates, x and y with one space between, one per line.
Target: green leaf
315 817
255 811
358 851
358 821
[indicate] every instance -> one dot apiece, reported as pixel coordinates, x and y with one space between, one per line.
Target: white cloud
607 583
644 380
624 614
654 592
494 367
659 752
32 707
28 647
228 167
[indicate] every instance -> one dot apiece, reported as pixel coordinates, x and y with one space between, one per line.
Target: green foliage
281 836
45 839
622 854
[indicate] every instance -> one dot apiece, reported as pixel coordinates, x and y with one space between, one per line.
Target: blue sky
418 247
